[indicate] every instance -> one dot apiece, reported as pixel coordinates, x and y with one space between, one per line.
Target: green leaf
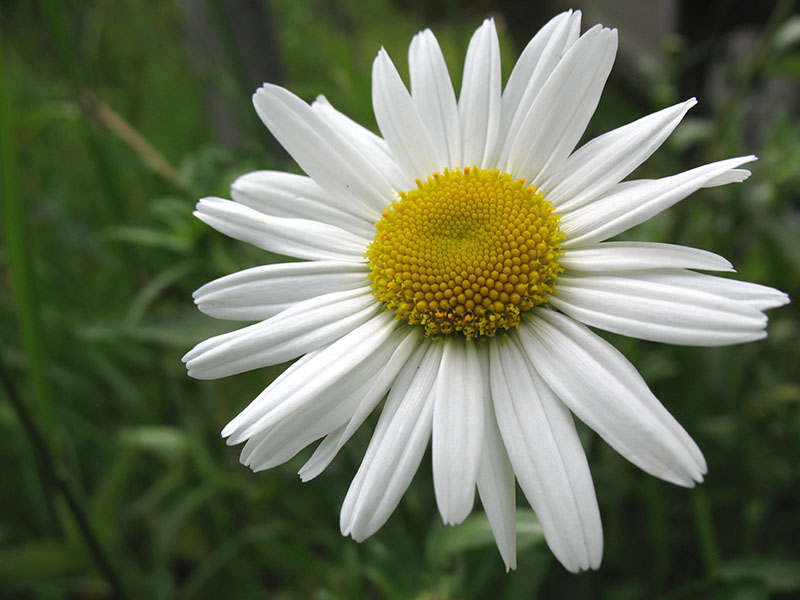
475 532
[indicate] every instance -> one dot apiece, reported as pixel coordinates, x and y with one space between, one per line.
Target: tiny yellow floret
466 252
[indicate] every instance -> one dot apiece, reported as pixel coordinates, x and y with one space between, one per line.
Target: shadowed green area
115 119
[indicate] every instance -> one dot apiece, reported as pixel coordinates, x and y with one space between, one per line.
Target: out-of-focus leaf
475 532
778 574
155 287
151 238
167 442
45 558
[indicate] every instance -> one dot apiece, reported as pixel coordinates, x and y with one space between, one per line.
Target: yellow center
466 252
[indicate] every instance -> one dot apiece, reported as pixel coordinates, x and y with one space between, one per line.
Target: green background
116 116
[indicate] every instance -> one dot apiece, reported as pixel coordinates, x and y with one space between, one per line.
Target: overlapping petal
606 392
649 306
479 102
399 121
433 96
396 447
313 374
496 484
636 202
378 385
610 257
457 430
530 72
294 196
547 458
560 112
262 292
333 162
372 147
608 159
303 327
300 238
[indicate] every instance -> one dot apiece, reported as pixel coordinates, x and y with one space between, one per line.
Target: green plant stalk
235 63
55 479
704 527
744 80
19 251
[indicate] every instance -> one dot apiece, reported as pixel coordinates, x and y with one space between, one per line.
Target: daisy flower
454 266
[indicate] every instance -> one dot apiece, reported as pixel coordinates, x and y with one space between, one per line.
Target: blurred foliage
111 128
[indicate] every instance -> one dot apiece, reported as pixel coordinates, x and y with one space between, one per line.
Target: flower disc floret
466 252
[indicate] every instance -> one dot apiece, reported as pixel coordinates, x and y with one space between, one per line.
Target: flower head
452 266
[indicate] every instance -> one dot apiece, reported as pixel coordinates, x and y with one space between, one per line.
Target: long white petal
457 429
300 238
547 457
496 486
636 202
608 159
395 450
759 297
532 69
294 196
374 148
399 121
562 109
262 292
434 98
377 388
281 442
310 376
297 330
330 159
642 304
479 102
610 257
318 414
606 392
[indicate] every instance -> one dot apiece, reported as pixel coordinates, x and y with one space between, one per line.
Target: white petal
373 148
318 414
297 330
331 160
262 292
642 304
300 238
396 447
562 109
606 392
496 486
732 176
636 202
534 66
547 457
399 121
457 429
378 386
479 102
433 96
610 257
310 376
281 442
759 297
608 159
295 196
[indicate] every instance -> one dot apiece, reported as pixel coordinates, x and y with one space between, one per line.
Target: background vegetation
116 116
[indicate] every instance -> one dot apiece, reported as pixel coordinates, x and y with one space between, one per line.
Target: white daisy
454 264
